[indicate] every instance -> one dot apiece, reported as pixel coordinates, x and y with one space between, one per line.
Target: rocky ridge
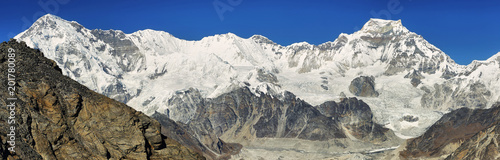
460 134
58 118
483 145
241 117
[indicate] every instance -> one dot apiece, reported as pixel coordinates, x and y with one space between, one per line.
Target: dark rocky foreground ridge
461 134
57 118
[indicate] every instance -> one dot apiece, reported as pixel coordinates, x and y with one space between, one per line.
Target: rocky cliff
211 147
483 145
461 134
221 124
57 118
357 119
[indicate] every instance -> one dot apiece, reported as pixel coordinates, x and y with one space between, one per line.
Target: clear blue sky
465 30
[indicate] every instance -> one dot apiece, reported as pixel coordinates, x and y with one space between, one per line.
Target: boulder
363 86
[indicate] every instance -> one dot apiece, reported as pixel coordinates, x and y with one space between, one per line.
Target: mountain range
225 90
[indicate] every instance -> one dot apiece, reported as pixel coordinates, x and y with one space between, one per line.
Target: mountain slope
484 145
242 117
146 68
461 133
58 118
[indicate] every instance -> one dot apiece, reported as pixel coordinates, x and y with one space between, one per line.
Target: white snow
164 64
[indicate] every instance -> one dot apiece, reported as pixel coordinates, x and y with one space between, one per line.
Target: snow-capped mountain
148 69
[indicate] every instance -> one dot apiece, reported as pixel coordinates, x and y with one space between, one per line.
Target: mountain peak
52 25
230 35
49 18
383 26
257 36
494 57
152 31
54 22
261 39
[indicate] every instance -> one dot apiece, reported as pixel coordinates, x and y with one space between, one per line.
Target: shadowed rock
452 135
357 117
240 116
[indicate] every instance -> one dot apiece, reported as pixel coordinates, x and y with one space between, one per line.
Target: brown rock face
483 145
57 118
461 133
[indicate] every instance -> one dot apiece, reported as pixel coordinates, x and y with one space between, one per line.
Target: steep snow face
153 70
383 49
81 55
146 68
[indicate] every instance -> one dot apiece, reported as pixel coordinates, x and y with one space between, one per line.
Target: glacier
147 69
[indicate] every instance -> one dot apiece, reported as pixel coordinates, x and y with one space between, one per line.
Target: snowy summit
147 68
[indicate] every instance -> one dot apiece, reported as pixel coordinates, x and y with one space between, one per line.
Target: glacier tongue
152 70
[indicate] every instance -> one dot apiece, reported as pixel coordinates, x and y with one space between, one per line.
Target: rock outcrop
57 118
187 137
462 134
446 97
249 116
363 86
357 118
241 116
409 118
483 145
415 77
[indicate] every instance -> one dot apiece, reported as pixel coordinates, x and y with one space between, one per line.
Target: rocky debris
409 118
57 118
363 86
452 135
357 117
262 39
